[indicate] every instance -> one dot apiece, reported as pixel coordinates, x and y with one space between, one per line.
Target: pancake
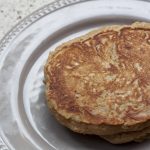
121 138
136 136
100 83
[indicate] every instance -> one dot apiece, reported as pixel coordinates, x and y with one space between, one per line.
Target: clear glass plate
25 121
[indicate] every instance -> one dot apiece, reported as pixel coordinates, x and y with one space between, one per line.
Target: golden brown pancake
100 83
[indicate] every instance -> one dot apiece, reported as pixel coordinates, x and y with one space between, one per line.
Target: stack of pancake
100 83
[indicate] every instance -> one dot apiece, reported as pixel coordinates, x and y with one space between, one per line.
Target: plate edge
22 25
31 18
3 146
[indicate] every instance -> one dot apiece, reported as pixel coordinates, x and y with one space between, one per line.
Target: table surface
12 11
